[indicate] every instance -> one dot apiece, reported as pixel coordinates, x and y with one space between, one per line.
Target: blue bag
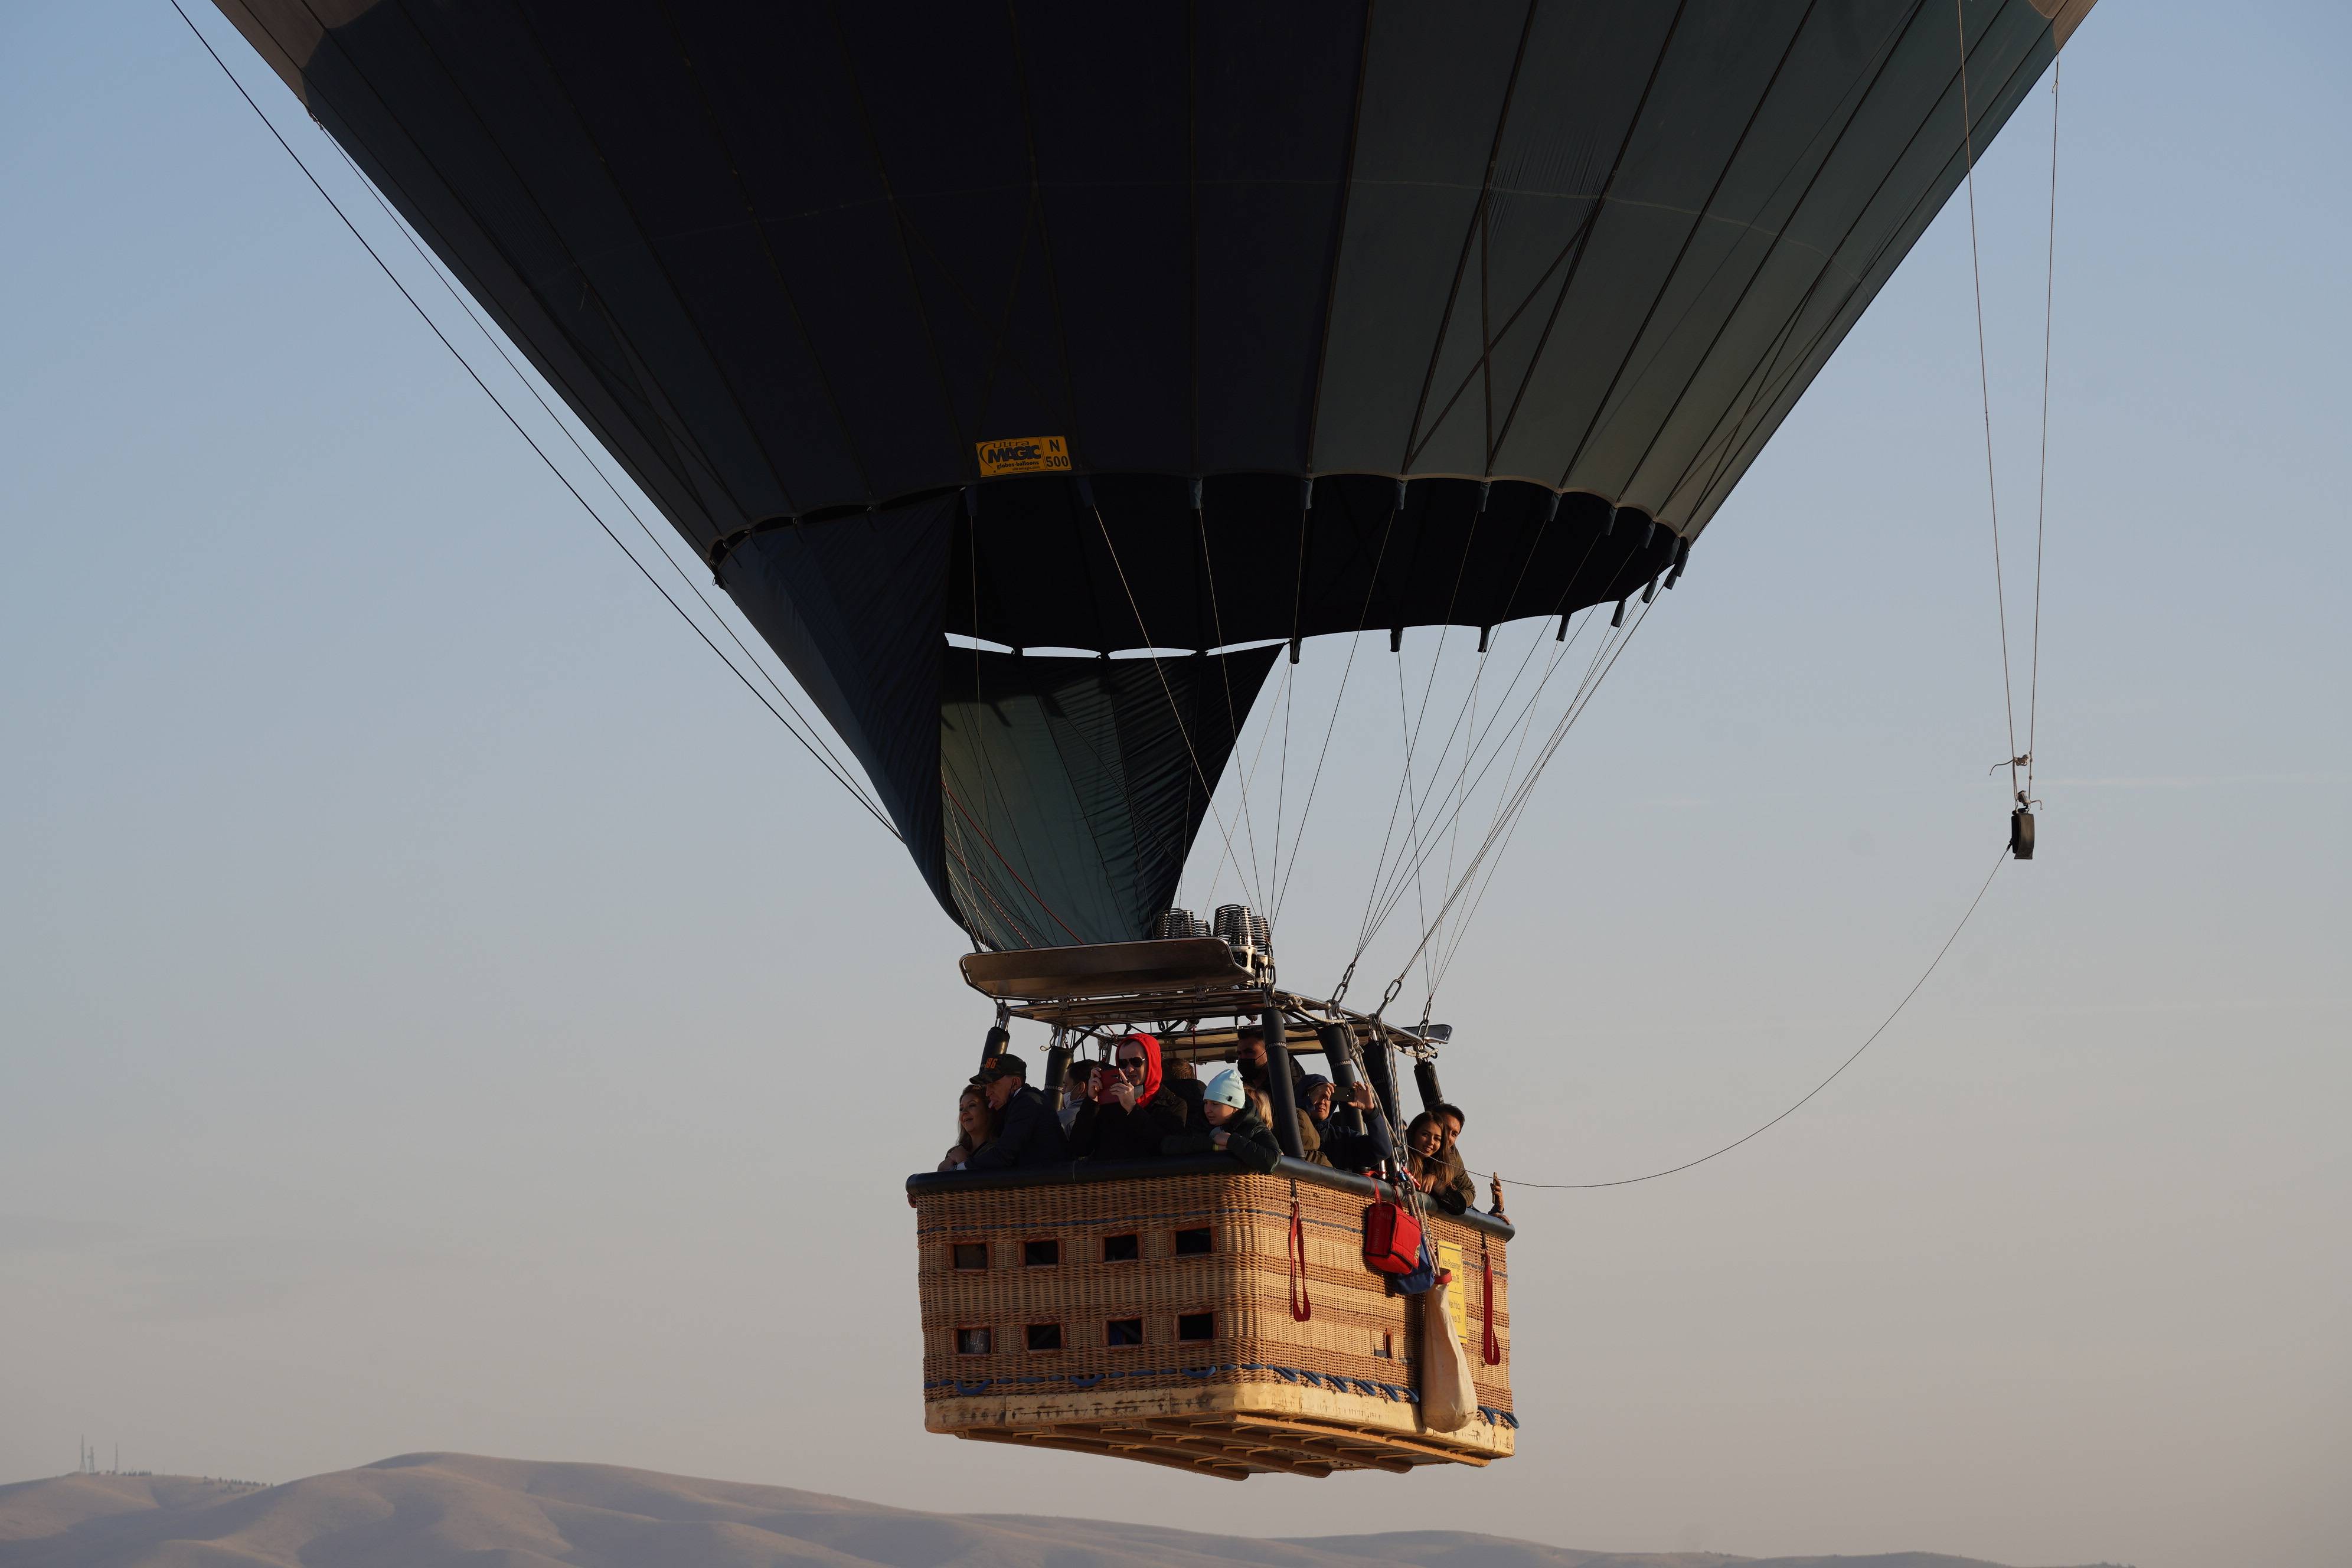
1424 1275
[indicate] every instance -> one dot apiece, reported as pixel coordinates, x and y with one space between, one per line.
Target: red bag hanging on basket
1391 1238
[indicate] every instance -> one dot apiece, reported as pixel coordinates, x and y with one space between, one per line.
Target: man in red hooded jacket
1131 1110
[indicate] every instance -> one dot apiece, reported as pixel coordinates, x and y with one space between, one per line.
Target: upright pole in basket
1277 1084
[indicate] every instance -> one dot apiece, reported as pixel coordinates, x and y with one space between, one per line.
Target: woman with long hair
1447 1185
976 1125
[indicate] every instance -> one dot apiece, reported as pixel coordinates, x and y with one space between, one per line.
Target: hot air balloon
1195 335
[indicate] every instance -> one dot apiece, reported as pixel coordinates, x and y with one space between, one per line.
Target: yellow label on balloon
1024 455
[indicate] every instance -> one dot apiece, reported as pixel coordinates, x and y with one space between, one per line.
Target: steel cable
1984 387
2042 492
839 767
537 450
1883 1026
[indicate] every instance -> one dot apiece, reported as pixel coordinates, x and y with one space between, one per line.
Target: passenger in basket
1448 1186
1251 1064
1449 1122
1318 1104
1186 1082
1029 1134
976 1125
1346 1151
1234 1126
1077 1086
1131 1112
1249 1045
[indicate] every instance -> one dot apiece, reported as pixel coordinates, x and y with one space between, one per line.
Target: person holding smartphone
1131 1112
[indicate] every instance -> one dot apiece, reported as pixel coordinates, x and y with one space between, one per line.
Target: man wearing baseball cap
1031 1134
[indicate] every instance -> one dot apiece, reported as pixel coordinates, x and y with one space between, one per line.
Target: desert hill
440 1510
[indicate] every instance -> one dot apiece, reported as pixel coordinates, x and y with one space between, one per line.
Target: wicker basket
1159 1312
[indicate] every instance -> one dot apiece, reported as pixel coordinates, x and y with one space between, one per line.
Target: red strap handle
1493 1348
1301 1308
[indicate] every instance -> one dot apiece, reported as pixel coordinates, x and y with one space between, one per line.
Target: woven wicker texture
1357 1341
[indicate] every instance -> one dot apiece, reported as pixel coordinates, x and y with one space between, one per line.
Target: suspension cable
1266 731
1462 926
537 450
1871 1040
1208 784
839 767
1462 804
1372 586
1371 925
1984 387
2042 492
1412 743
1526 788
1233 720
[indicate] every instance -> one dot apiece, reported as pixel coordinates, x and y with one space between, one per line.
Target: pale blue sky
440 1010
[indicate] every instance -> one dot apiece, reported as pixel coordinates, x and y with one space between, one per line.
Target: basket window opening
1384 1347
1125 1248
1193 1243
971 1255
973 1341
1196 1326
1122 1333
1045 1336
1040 1254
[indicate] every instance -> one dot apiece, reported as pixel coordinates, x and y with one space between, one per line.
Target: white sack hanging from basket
1448 1398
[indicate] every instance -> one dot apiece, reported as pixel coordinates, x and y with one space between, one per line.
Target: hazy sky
439 1010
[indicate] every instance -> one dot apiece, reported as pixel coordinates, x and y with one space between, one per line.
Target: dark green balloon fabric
1564 267
1071 788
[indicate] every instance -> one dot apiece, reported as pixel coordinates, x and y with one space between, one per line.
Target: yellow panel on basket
1024 454
1449 1258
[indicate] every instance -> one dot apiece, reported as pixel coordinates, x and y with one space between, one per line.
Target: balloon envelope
1119 326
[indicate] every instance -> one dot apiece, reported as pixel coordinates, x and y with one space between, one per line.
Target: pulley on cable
2021 815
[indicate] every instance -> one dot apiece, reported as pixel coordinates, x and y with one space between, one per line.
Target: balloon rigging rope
1233 721
2042 494
1872 1040
992 786
1363 615
1397 884
1298 601
1453 944
1175 711
1525 790
1984 389
839 767
537 449
1257 758
1453 834
1412 739
1394 885
1523 726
